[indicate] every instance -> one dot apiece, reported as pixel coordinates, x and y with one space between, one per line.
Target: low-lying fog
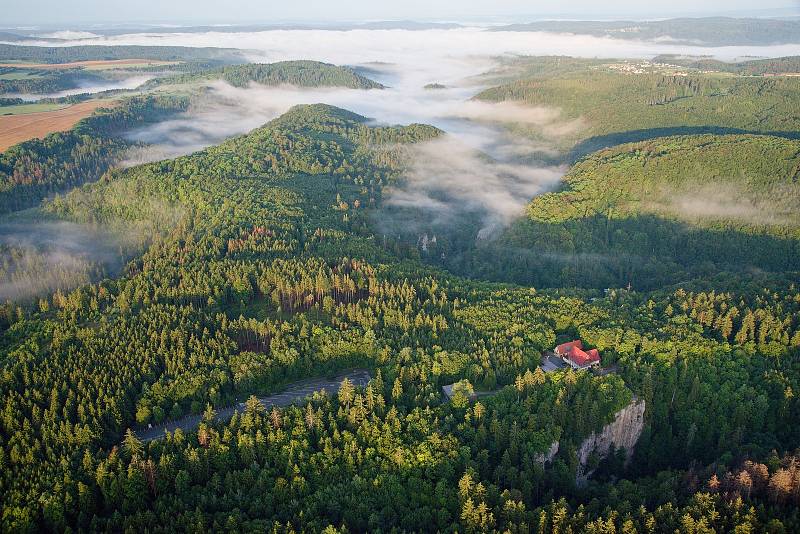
448 175
406 61
40 257
85 87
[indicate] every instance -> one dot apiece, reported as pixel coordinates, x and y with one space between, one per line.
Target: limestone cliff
622 432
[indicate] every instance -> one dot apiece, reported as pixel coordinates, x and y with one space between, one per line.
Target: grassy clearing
34 107
20 75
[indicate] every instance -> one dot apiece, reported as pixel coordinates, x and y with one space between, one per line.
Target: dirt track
18 128
291 395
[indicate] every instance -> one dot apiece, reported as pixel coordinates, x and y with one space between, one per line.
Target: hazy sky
32 12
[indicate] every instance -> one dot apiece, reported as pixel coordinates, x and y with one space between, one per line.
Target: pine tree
253 406
131 444
346 392
397 390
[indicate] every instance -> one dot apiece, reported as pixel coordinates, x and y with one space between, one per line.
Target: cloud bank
448 177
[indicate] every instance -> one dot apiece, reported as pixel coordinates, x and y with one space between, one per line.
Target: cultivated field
98 64
18 128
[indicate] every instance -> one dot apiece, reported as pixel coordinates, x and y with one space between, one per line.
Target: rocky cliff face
547 457
622 432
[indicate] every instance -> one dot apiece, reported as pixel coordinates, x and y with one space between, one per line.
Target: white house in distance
572 354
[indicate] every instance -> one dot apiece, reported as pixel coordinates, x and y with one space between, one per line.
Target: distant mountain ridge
707 31
754 67
65 54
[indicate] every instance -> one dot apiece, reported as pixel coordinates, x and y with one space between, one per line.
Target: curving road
294 393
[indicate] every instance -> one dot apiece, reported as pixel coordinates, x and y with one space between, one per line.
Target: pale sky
68 12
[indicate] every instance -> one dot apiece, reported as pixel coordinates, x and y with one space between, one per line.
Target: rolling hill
295 73
605 108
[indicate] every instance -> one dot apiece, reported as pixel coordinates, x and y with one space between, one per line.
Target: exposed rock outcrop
547 457
623 432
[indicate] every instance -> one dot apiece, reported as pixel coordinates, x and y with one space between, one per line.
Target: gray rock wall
623 432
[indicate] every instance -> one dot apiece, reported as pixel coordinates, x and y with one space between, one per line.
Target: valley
185 266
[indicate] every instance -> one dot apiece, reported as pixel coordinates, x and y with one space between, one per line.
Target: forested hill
264 269
741 182
296 73
603 107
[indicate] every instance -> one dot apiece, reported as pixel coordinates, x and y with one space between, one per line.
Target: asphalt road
294 393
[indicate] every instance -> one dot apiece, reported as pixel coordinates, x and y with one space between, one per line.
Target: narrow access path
294 393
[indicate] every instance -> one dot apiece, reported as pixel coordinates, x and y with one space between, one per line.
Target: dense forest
296 73
264 268
179 292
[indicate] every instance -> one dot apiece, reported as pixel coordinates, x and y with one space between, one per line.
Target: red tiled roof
581 358
575 353
566 348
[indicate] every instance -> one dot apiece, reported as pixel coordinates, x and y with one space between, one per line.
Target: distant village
648 67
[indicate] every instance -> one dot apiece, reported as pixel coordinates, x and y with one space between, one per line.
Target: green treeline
67 54
297 73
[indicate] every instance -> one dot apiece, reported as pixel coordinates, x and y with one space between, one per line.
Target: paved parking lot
551 363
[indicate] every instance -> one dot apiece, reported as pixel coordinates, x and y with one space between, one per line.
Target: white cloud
404 46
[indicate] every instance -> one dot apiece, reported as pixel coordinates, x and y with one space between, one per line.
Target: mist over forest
401 275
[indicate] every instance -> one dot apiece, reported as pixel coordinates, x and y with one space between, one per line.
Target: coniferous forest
157 313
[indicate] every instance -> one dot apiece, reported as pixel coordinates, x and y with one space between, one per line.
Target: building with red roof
572 354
